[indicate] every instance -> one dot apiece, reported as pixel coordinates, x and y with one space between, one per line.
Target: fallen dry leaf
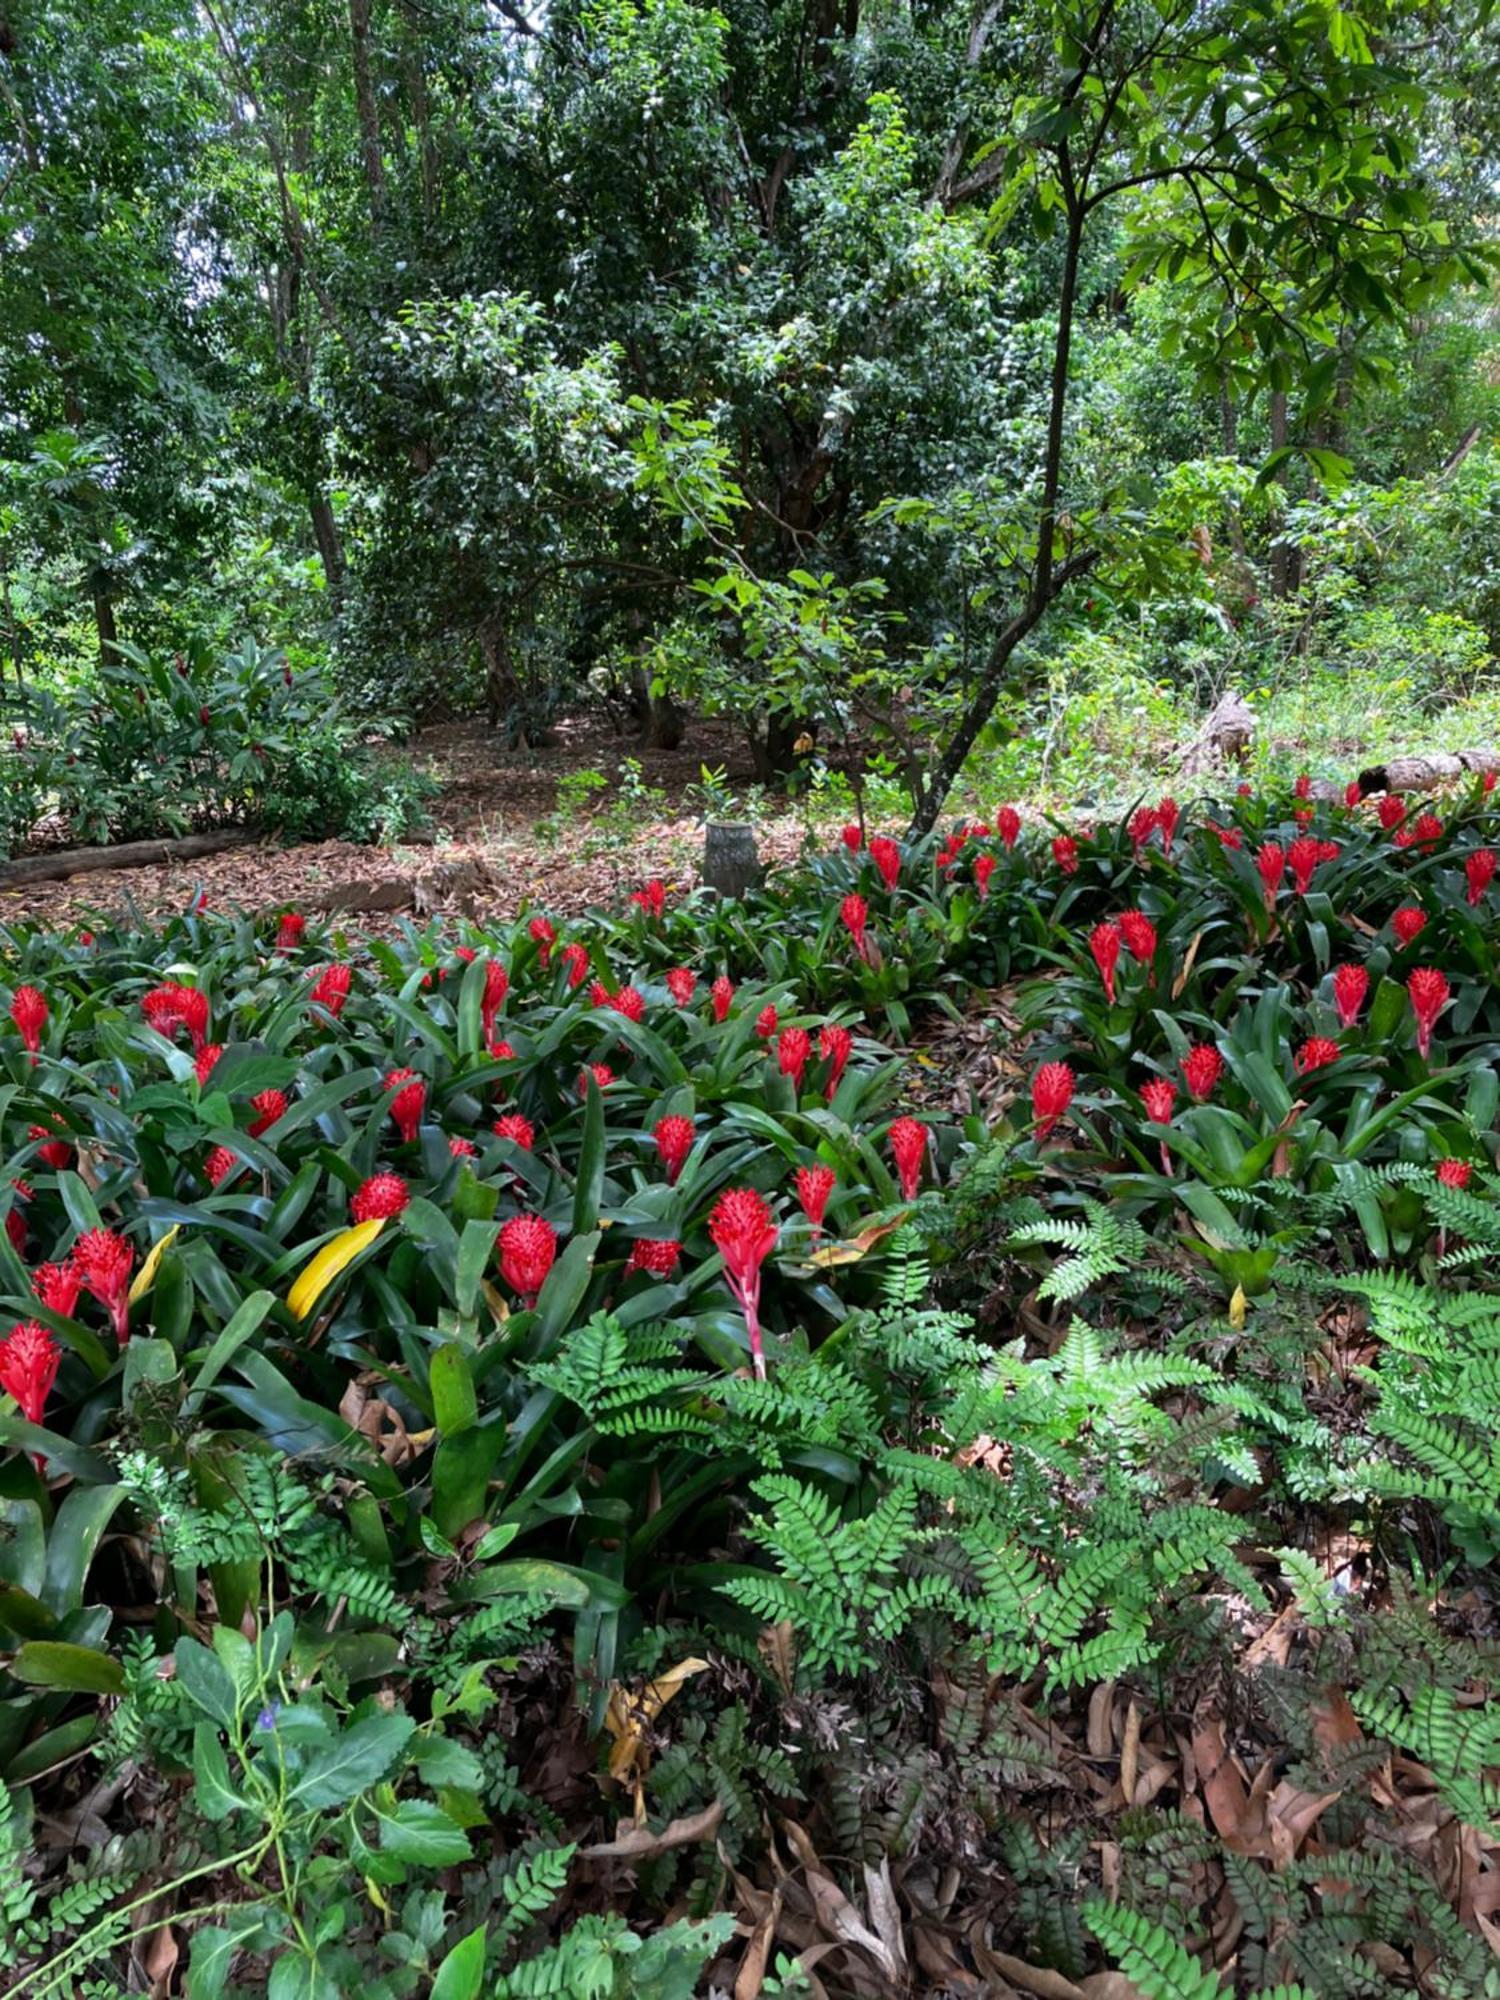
639 1843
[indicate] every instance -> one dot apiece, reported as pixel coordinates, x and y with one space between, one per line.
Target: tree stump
731 863
1224 738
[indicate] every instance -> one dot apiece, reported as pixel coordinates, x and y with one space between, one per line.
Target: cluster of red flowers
170 1007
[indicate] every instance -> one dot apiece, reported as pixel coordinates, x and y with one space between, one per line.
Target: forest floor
504 834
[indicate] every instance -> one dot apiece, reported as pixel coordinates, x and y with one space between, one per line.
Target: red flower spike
501 1051
380 1197
1408 924
462 1149
15 1230
630 1002
599 1073
1303 815
1391 810
527 1250
465 953
29 1361
984 868
1065 853
1429 993
652 899
268 1106
289 931
203 1062
682 985
674 1137
1244 791
852 838
1302 857
219 1165
1454 1173
1167 814
855 912
29 1011
194 1010
722 995
1303 787
409 1102
598 993
1158 1096
793 1047
744 1234
1051 1094
57 1287
1427 832
1202 1067
1143 823
543 935
517 1128
1227 836
1486 784
331 989
1008 826
1479 867
835 1046
1271 862
765 1023
814 1186
103 1262
53 1152
1351 983
1316 1053
887 858
908 1142
657 1255
1352 794
496 986
1139 934
576 958
1104 943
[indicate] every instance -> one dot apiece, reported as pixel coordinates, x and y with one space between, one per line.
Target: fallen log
66 861
1421 773
463 886
1223 740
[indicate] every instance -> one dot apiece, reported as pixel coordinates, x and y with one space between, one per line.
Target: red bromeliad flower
658 1255
600 1074
1427 832
1486 785
15 1229
517 1128
1158 1096
1271 862
852 838
652 899
908 1142
1391 810
1139 934
1244 791
289 930
1167 814
721 993
53 1152
379 1198
887 858
203 1062
331 988
1008 826
29 1361
984 868
501 1051
465 953
682 985
1227 836
219 1165
1352 794
1051 1094
765 1023
527 1250
29 1010
1316 1053
1408 923
835 1046
630 1002
268 1106
496 986
1350 985
744 1234
1429 993
1202 1067
576 958
674 1137
598 993
1143 823
855 912
1303 856
103 1261
194 1004
1480 869
814 1186
793 1047
543 935
162 1007
409 1102
1303 787
1104 943
462 1149
1065 853
1454 1173
57 1287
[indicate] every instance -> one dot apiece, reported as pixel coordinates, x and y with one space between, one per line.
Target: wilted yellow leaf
629 1716
145 1277
333 1258
1237 1307
853 1247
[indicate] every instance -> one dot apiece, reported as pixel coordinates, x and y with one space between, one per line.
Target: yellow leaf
629 1715
145 1277
1237 1307
854 1247
333 1258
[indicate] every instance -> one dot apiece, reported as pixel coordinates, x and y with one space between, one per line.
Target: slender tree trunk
364 102
1229 431
330 543
1283 558
104 622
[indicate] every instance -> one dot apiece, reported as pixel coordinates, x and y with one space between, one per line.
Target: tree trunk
330 547
104 621
364 101
1284 566
731 865
771 748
